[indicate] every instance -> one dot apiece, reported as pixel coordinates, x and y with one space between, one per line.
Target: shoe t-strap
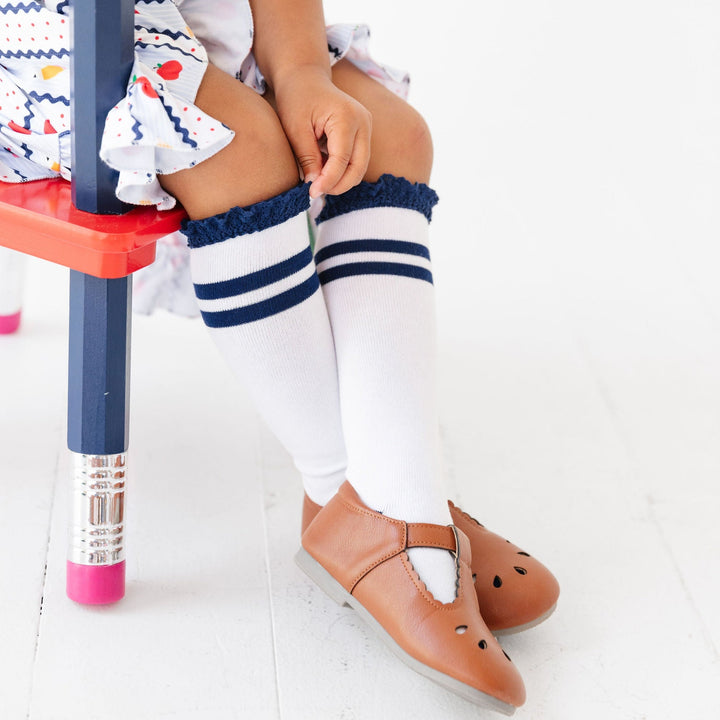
447 537
428 535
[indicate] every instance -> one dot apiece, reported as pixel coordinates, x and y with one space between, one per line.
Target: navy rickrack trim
388 191
168 33
16 8
246 220
50 98
49 54
139 43
179 129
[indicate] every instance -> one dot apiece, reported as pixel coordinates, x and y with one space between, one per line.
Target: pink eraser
10 323
95 584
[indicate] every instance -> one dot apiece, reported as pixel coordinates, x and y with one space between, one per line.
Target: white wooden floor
576 260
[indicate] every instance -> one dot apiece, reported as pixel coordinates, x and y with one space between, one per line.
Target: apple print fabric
167 283
34 105
155 129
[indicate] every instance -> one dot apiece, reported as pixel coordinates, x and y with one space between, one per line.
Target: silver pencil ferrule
98 509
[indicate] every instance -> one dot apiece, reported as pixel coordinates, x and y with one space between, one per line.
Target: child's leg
255 279
374 267
401 146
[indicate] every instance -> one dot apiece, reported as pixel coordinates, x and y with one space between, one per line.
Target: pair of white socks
338 352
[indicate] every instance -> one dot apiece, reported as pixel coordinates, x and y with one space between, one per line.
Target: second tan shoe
359 558
514 590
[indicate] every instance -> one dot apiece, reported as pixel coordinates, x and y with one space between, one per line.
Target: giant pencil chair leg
97 435
12 265
99 353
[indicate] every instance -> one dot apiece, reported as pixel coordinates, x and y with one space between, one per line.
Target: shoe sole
326 582
521 628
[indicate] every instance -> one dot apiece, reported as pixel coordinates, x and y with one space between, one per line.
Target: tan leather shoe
359 558
515 592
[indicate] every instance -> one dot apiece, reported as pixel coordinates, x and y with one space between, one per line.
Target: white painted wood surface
576 256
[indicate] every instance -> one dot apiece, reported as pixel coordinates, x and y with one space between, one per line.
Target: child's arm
290 47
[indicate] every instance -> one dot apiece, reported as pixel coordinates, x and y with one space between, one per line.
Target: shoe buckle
456 551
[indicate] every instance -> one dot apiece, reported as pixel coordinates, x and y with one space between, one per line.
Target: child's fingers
340 142
307 154
348 157
358 164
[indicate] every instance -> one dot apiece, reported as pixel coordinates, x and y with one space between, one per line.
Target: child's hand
319 120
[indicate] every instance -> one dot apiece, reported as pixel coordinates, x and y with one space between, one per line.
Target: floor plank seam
707 634
56 473
262 472
606 398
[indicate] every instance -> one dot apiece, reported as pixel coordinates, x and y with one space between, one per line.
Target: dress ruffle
353 43
155 129
152 132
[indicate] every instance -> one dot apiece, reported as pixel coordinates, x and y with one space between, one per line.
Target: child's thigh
257 165
401 142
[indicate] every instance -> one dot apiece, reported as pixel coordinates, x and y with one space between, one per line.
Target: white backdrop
576 125
576 258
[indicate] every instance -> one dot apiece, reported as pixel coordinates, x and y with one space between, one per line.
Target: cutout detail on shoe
520 570
522 552
497 581
482 644
461 629
506 655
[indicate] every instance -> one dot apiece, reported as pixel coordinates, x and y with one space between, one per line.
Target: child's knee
415 144
401 144
257 164
262 153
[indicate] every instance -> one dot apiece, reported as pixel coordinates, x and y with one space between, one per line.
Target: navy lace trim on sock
250 219
388 191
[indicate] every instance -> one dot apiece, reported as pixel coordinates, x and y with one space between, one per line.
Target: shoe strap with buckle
427 535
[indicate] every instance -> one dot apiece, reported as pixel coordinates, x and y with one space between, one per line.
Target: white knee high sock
258 293
374 267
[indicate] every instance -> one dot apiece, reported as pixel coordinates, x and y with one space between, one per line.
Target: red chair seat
38 218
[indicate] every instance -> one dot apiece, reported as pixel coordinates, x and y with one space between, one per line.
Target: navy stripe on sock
254 280
352 246
264 308
374 268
